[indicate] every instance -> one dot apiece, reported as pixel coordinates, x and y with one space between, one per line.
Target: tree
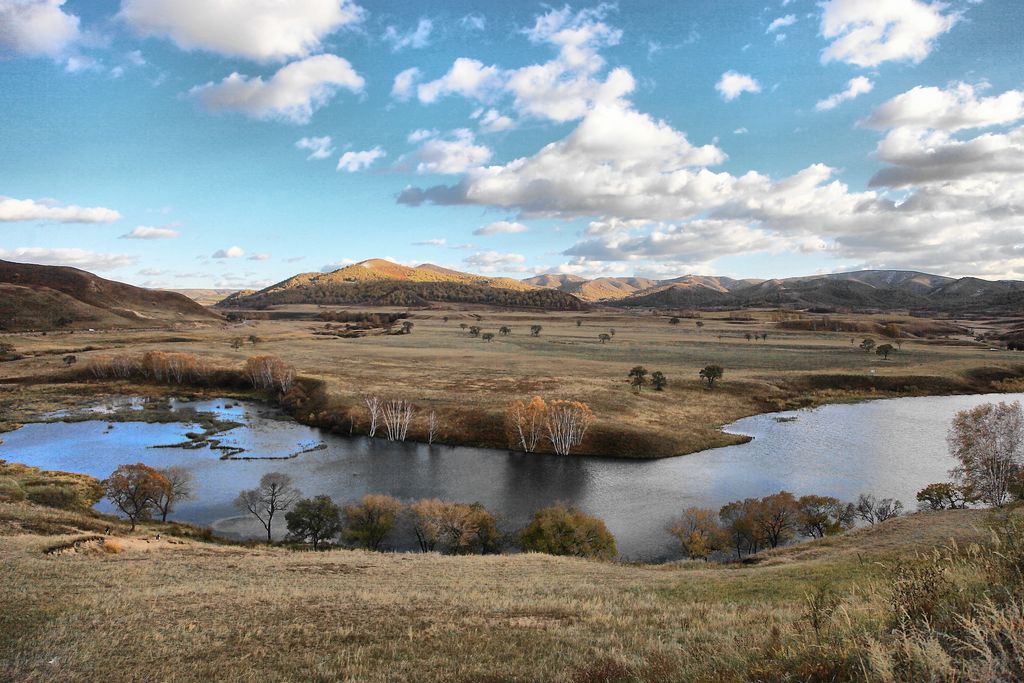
525 423
368 522
565 530
867 346
397 415
638 377
407 326
135 490
873 510
270 373
445 319
454 528
488 336
69 360
604 337
700 325
821 516
567 423
433 427
712 373
474 331
314 519
463 326
535 330
748 336
236 343
739 520
777 517
673 321
373 406
6 349
988 442
884 350
254 340
274 494
578 322
179 487
658 380
504 330
700 533
944 495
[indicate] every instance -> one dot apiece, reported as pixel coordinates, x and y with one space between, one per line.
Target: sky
231 144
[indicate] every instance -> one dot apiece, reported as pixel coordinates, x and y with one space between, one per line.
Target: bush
564 530
53 496
368 522
10 491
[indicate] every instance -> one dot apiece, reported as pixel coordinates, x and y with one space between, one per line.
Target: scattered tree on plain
658 380
368 522
275 493
884 350
179 487
254 339
535 330
474 331
407 326
674 321
463 326
69 360
135 490
488 336
505 330
604 337
867 346
565 530
988 442
314 519
711 374
638 377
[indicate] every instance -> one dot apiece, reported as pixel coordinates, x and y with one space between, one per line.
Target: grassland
131 606
469 382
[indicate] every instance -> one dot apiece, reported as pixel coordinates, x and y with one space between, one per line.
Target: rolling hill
34 297
383 283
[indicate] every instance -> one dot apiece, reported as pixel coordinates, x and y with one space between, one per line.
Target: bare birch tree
397 415
525 423
567 423
433 427
373 405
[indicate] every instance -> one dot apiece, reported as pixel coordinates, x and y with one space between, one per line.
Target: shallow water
890 448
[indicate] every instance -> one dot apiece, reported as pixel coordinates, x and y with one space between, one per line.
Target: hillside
34 297
383 283
81 606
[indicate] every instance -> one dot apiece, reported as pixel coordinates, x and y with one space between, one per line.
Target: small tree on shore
314 519
711 374
397 415
135 490
275 493
821 516
525 423
270 373
565 530
433 427
373 407
988 442
638 377
567 423
179 487
368 522
700 533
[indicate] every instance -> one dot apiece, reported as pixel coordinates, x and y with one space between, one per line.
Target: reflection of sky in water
889 448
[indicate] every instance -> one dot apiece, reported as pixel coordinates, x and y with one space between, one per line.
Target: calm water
889 448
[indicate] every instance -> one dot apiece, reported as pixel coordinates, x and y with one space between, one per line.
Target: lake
890 448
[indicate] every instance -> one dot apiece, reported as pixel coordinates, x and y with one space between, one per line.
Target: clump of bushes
565 530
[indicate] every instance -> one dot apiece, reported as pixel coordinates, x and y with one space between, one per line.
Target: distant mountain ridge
35 297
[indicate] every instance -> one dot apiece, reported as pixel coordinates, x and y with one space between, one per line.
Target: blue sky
183 143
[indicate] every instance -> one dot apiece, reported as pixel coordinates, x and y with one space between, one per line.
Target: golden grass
193 611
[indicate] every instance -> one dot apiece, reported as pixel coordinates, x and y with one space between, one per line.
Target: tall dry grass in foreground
879 603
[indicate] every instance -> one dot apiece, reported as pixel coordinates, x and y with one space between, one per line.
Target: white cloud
260 257
78 258
733 84
500 227
261 30
36 27
860 85
292 94
955 108
492 121
473 22
146 232
867 33
352 162
456 154
469 78
405 84
318 148
431 243
781 22
12 210
493 261
421 134
740 131
416 38
230 252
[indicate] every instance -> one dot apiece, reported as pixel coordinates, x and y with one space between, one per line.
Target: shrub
10 491
565 530
368 522
314 519
53 496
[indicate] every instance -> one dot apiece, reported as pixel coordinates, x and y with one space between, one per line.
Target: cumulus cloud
79 258
492 121
230 252
501 227
262 31
781 22
493 261
292 94
955 108
351 162
456 154
561 89
36 27
147 232
318 148
416 38
866 33
733 84
861 85
405 84
14 210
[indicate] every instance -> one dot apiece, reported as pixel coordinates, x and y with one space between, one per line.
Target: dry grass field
469 382
131 606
